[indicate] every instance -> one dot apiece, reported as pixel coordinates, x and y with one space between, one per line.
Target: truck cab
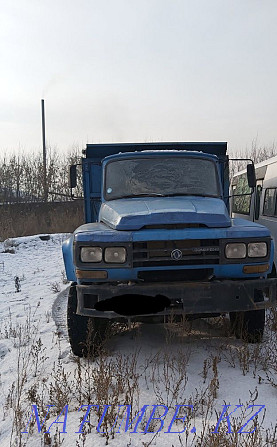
159 242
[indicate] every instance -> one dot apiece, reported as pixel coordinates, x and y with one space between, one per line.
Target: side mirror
251 176
73 176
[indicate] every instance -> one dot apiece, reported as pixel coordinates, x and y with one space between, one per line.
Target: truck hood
135 213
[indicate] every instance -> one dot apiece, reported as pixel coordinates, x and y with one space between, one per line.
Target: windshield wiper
143 194
188 194
158 194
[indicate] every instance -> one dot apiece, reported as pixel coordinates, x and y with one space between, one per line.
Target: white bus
261 206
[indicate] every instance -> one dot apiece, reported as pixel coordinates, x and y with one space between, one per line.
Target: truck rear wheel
249 325
86 334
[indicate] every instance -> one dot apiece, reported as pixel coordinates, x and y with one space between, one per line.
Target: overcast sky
138 70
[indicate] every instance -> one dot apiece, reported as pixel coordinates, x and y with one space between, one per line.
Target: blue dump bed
99 151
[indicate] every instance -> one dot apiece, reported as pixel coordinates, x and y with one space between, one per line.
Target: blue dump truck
159 243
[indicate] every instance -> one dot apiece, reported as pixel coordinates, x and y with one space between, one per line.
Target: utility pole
45 188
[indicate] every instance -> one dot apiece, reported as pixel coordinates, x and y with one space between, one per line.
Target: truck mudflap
184 297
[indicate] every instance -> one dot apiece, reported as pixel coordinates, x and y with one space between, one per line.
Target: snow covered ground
196 364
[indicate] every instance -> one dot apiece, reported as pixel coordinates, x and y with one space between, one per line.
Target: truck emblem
176 254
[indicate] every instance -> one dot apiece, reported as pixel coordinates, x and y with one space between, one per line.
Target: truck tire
249 325
86 334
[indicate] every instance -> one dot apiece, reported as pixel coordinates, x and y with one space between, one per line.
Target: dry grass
118 380
25 219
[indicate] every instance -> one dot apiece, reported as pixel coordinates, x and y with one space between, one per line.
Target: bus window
270 202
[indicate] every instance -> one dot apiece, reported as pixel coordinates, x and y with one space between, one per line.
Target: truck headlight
257 249
116 255
91 254
235 251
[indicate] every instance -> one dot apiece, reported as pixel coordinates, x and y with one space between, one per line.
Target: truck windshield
161 176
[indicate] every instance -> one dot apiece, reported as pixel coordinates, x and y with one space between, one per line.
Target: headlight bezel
79 245
246 241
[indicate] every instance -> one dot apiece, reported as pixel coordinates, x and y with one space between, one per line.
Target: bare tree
256 153
21 176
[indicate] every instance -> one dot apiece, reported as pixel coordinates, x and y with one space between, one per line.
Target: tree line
256 153
22 179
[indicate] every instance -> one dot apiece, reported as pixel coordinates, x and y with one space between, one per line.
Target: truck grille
189 252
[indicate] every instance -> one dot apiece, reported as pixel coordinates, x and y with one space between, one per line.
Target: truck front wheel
249 325
86 334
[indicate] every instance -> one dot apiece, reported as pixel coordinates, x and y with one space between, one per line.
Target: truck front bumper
190 298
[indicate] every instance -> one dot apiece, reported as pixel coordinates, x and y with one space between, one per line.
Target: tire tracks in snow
59 312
